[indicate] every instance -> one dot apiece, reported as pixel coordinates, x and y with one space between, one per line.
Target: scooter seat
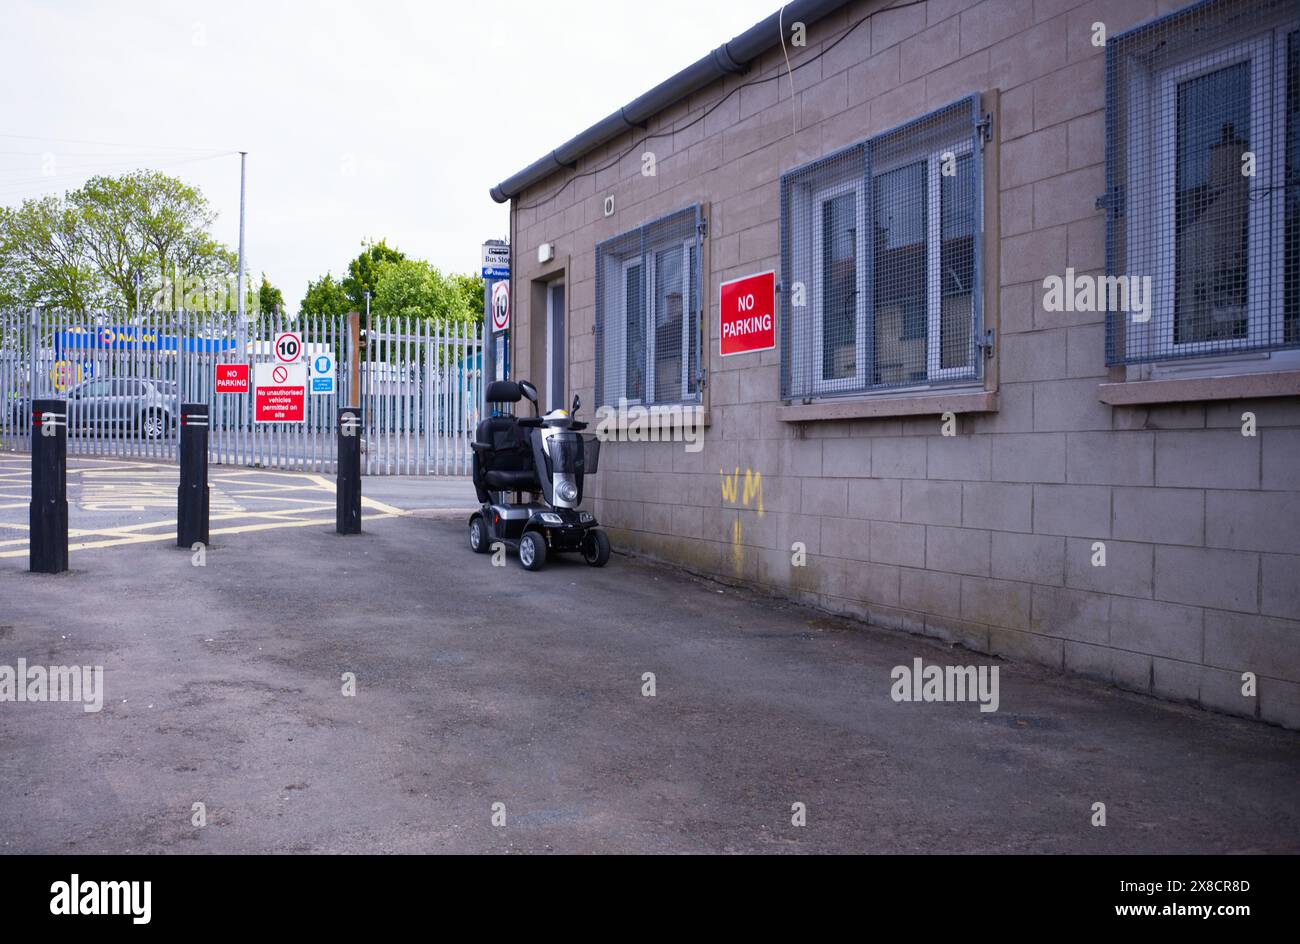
510 480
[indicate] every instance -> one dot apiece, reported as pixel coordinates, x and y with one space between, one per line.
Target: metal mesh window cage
648 327
1202 199
880 261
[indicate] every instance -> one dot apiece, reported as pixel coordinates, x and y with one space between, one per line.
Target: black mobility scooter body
542 462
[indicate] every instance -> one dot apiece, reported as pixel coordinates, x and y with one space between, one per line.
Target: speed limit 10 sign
288 347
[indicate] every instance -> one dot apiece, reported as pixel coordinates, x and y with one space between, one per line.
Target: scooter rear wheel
478 537
595 548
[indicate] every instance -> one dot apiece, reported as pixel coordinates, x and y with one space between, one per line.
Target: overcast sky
362 120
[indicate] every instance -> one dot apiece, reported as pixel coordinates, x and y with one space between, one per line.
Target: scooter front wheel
595 548
532 550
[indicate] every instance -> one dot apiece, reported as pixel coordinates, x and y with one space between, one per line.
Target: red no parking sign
747 308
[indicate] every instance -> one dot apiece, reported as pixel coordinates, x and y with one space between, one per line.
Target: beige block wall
987 538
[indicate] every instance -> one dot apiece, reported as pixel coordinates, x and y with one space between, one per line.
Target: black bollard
48 539
192 495
347 490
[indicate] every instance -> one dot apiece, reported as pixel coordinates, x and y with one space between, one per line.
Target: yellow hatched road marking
152 538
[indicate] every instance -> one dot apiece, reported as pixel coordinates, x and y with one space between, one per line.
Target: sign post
496 272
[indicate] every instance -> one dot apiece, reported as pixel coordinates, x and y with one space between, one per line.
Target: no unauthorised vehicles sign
281 395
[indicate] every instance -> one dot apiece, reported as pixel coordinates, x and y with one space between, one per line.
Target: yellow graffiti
750 490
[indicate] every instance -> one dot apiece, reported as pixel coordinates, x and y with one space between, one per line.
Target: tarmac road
479 685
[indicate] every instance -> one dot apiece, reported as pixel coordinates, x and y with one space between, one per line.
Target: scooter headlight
552 518
567 491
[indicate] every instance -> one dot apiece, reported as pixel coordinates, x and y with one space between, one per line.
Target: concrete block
1110 458
1253 521
1003 603
1207 459
1177 681
1028 647
880 499
898 458
931 49
1159 515
824 496
1280 591
1069 406
1226 580
1074 510
1068 197
1069 93
1039 355
1029 457
967 458
1281 459
896 543
958 550
1222 691
1161 629
1258 644
1071 614
997 506
929 502
1036 558
1279 703
930 592
846 457
1025 160
973 636
1127 571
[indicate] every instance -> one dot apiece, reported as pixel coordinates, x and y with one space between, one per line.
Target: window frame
1148 203
1255 52
616 257
817 200
934 275
652 318
802 194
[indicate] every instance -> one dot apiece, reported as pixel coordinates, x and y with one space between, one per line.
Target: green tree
270 298
325 297
363 272
413 289
45 257
91 248
470 286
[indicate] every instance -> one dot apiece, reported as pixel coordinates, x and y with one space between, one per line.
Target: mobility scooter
532 456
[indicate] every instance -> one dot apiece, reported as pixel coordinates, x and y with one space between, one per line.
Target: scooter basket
591 454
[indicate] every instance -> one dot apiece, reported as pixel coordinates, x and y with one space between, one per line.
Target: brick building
1036 385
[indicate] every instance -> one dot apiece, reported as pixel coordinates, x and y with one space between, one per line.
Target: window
880 270
648 328
1203 163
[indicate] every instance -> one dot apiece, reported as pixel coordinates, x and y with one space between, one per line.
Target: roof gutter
730 58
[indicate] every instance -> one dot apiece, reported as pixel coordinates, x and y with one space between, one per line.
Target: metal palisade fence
125 377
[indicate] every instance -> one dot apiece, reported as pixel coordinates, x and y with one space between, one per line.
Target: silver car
123 403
